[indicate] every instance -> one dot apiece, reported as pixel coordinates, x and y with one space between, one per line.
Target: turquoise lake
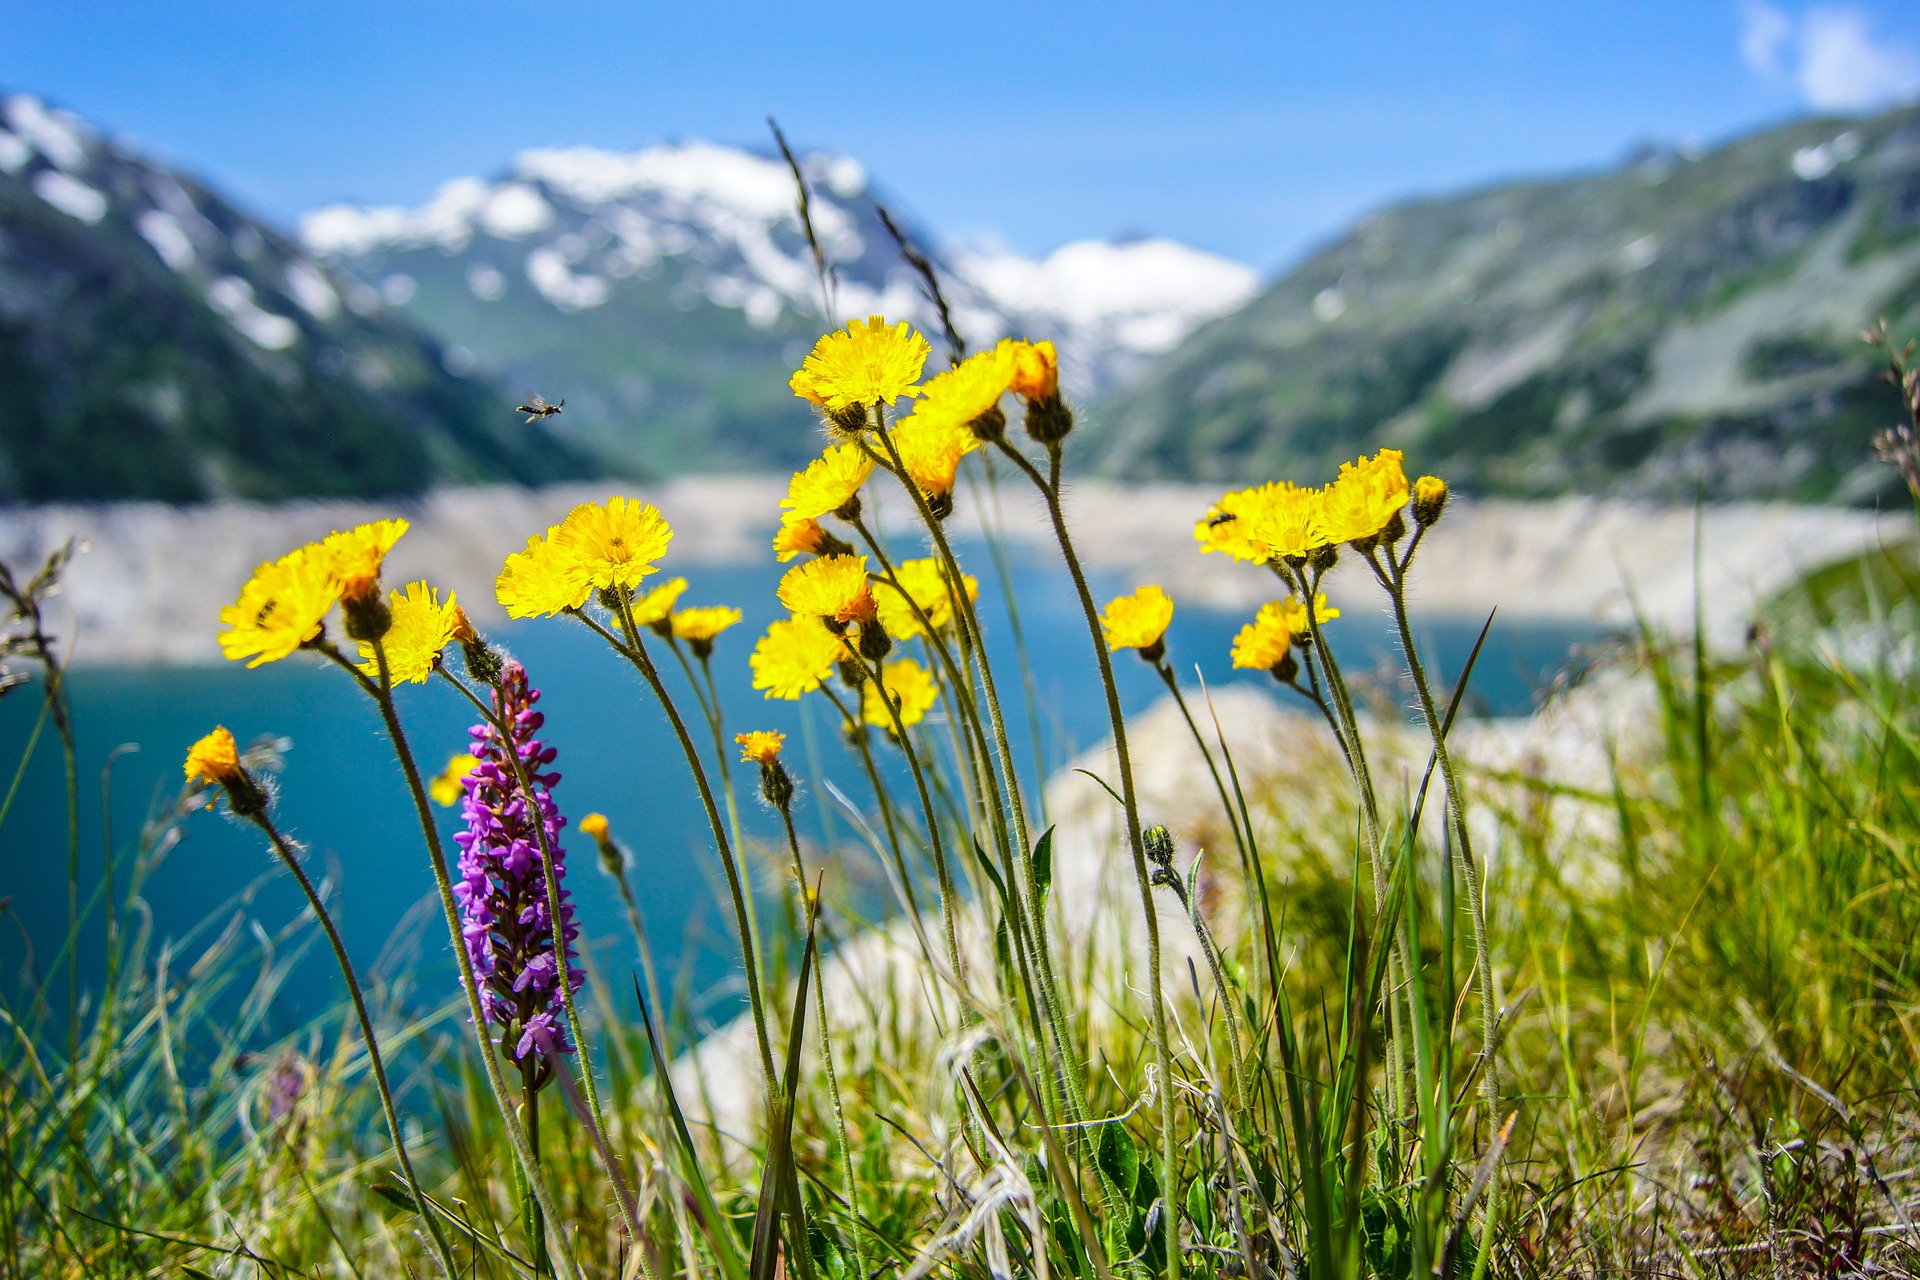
342 795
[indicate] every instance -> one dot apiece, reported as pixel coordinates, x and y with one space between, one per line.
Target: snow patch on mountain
723 220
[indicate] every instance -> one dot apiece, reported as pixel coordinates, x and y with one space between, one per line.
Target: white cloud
1843 67
1831 55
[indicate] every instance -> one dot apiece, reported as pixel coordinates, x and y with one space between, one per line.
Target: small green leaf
1043 867
1200 1208
1118 1157
399 1197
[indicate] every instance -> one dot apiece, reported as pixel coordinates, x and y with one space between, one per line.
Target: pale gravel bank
153 579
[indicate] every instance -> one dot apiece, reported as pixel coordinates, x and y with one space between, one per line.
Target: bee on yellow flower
1228 525
907 685
924 585
833 588
1139 621
869 363
446 787
1365 501
1266 643
795 656
700 627
281 608
421 631
829 484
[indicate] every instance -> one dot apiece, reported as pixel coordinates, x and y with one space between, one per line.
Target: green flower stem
1395 582
530 1112
634 650
1208 948
1165 671
551 876
284 851
1049 486
940 866
880 797
382 694
826 1058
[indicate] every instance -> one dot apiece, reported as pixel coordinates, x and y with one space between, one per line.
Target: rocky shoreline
152 578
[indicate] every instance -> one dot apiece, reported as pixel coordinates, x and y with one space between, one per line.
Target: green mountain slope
157 343
1680 324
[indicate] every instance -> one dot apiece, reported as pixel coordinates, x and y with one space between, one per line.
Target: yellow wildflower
926 585
909 687
1363 501
1285 522
795 537
215 757
761 746
1036 370
870 363
833 587
594 826
358 553
446 788
701 625
1263 644
1294 611
1138 621
931 451
658 603
281 607
795 656
542 580
969 390
422 629
827 484
614 543
1228 525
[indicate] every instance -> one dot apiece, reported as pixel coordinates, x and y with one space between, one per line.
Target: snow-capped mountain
666 292
156 342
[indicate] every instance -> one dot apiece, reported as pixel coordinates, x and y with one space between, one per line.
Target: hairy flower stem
551 883
1165 671
940 866
1394 579
1217 966
826 1059
634 650
382 694
1049 486
1021 881
530 1112
284 851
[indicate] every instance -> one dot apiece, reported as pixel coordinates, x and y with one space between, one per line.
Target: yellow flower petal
795 656
868 363
281 607
909 686
421 631
1137 621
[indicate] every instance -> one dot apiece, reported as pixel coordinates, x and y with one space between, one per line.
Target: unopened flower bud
1287 669
1048 419
368 617
850 421
1324 557
484 662
875 644
989 426
1158 843
1429 500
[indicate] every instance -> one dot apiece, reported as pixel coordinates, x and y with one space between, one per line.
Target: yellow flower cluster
607 545
1284 522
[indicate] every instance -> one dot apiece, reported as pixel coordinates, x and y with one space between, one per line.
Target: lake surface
343 796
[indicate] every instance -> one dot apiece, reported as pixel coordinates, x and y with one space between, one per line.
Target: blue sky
1246 129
